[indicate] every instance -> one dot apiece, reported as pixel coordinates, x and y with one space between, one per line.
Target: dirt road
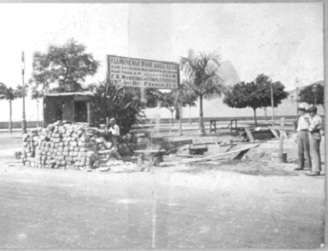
173 207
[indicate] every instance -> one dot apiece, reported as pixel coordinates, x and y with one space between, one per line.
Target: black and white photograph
172 125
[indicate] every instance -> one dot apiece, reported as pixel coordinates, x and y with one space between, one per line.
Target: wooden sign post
282 155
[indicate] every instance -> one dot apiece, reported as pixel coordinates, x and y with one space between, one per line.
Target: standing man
113 128
315 139
114 135
303 124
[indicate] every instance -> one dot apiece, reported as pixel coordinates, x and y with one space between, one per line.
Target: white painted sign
131 72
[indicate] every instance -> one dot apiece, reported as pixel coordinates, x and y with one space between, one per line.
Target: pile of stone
66 146
30 143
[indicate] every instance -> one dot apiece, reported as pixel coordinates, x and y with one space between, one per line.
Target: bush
123 104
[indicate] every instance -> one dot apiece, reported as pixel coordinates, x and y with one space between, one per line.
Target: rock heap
67 146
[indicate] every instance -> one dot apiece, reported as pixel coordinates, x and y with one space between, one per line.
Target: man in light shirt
315 139
114 134
303 124
113 128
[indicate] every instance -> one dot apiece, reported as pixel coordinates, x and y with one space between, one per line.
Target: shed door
81 111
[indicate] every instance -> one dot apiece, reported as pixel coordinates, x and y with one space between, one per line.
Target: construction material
282 157
240 152
212 126
155 156
198 149
67 146
274 132
249 134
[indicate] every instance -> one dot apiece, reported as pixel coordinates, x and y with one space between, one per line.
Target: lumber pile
66 146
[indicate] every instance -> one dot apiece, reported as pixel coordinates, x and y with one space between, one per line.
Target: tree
120 103
3 88
37 94
167 100
188 95
8 94
256 94
202 72
313 94
153 96
62 68
19 91
183 95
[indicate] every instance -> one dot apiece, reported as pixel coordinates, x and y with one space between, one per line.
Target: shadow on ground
250 167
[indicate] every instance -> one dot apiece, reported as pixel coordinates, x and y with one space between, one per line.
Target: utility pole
297 86
23 71
272 103
314 89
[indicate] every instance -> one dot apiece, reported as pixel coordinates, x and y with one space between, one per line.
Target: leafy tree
36 94
312 95
120 103
62 68
153 96
3 88
167 100
8 94
19 92
256 94
201 70
187 95
183 95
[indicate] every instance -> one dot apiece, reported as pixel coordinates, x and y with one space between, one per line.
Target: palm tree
202 71
8 94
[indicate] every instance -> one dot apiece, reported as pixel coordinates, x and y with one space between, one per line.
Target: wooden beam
249 134
281 139
220 155
275 133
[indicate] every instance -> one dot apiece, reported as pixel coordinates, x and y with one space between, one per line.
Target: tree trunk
180 119
10 117
265 114
201 123
190 115
172 116
255 116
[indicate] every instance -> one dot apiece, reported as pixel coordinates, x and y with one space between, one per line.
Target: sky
281 40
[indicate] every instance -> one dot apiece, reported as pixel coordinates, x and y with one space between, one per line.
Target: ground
252 203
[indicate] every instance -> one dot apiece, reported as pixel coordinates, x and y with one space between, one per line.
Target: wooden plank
215 142
285 134
220 155
241 154
284 127
249 134
281 138
274 132
150 151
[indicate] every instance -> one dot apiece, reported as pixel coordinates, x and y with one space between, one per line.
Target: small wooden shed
70 106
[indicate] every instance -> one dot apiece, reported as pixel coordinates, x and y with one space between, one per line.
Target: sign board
142 73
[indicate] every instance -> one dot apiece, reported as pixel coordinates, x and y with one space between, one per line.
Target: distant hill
228 73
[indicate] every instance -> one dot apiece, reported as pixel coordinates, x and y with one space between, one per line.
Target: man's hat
313 109
112 120
301 107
